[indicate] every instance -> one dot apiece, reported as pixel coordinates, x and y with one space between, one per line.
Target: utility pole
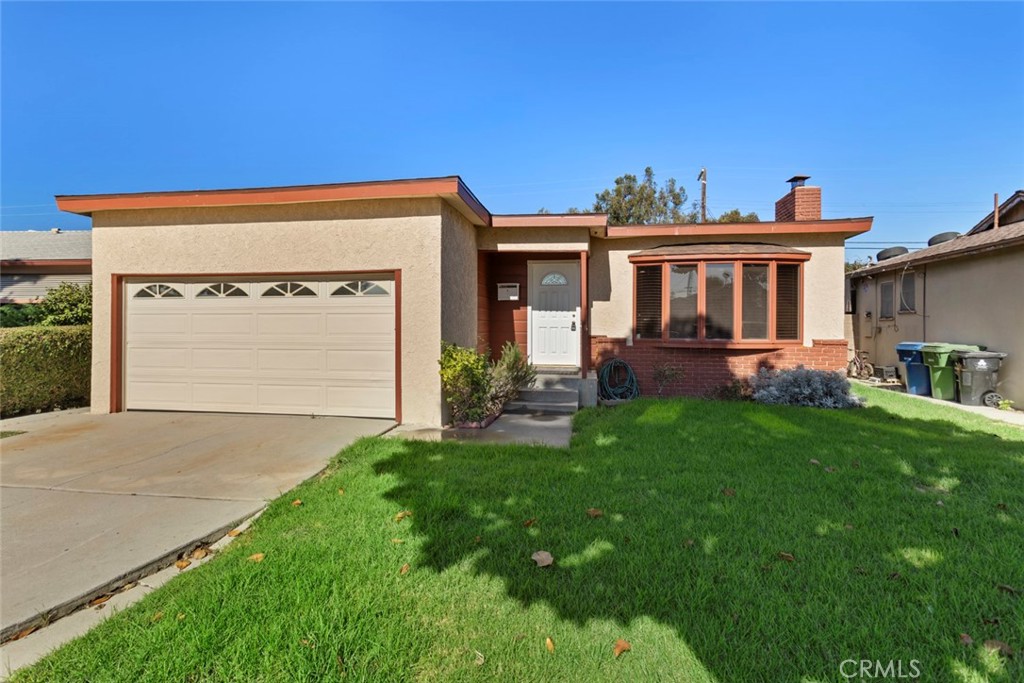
703 178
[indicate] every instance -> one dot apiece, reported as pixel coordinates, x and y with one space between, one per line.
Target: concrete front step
563 382
549 395
537 408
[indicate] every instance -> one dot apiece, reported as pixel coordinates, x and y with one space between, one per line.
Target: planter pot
482 424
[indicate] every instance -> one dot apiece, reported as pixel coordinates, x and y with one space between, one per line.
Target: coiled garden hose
617 380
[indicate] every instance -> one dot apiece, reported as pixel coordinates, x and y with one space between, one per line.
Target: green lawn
692 577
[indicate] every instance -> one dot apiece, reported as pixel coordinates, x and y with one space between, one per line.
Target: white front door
554 313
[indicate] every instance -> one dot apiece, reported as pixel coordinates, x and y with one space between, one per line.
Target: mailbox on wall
508 291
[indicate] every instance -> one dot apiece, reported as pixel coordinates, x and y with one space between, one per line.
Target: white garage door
323 347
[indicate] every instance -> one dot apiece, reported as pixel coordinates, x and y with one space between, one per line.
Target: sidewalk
1014 417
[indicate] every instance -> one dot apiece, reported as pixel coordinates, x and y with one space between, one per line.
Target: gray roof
964 245
988 221
18 245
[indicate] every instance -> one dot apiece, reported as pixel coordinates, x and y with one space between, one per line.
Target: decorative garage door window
360 288
555 279
289 289
220 289
158 292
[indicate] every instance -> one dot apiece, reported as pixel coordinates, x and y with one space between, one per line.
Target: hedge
42 368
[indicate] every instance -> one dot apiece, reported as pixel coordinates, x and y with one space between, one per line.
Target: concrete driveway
86 500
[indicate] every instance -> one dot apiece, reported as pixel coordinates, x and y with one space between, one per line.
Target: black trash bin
977 376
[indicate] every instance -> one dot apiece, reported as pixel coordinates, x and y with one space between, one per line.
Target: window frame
912 305
737 261
882 297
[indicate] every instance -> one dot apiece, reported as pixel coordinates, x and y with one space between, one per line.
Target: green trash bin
938 358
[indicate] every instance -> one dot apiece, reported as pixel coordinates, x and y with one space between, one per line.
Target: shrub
666 374
20 315
802 387
67 304
42 368
466 381
509 374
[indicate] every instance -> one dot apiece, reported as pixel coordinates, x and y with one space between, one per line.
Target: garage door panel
294 353
224 395
231 359
158 324
290 359
361 360
146 358
222 324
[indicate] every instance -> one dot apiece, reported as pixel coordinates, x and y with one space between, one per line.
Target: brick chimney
803 203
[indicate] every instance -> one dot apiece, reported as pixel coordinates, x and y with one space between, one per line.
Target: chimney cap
797 181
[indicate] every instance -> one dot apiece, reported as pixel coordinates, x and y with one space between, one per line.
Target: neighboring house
966 289
334 299
34 261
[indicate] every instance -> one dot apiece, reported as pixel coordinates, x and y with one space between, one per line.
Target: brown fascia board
18 265
847 227
549 220
885 266
450 188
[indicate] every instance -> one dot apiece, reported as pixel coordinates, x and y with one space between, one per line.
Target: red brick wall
483 302
801 204
705 370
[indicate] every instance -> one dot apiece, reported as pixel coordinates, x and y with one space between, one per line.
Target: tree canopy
633 201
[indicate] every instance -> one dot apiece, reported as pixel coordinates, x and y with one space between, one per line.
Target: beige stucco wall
978 301
879 337
401 234
533 239
611 281
458 278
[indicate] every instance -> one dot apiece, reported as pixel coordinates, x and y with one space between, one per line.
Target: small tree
67 304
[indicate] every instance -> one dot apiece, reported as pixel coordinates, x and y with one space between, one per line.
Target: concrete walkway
90 501
543 430
1014 417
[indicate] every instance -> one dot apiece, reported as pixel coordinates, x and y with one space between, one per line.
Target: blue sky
912 113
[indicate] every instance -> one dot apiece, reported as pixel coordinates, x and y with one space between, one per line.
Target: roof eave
848 227
885 266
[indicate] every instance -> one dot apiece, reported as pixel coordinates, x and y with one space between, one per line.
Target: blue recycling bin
916 373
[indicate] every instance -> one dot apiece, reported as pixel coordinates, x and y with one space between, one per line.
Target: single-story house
33 262
963 289
334 299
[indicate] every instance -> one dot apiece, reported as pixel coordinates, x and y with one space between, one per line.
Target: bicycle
859 367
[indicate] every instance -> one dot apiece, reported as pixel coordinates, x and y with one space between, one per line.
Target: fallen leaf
397 541
689 542
402 515
814 462
21 634
181 564
100 600
530 522
127 587
543 558
479 657
256 557
181 616
999 646
788 557
855 464
1002 506
1007 589
341 492
966 639
830 469
156 617
234 532
200 553
940 503
621 646
297 502
404 570
307 643
477 539
594 513
990 621
848 526
728 492
549 644
895 576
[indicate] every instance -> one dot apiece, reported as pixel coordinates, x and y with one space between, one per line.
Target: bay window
695 295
